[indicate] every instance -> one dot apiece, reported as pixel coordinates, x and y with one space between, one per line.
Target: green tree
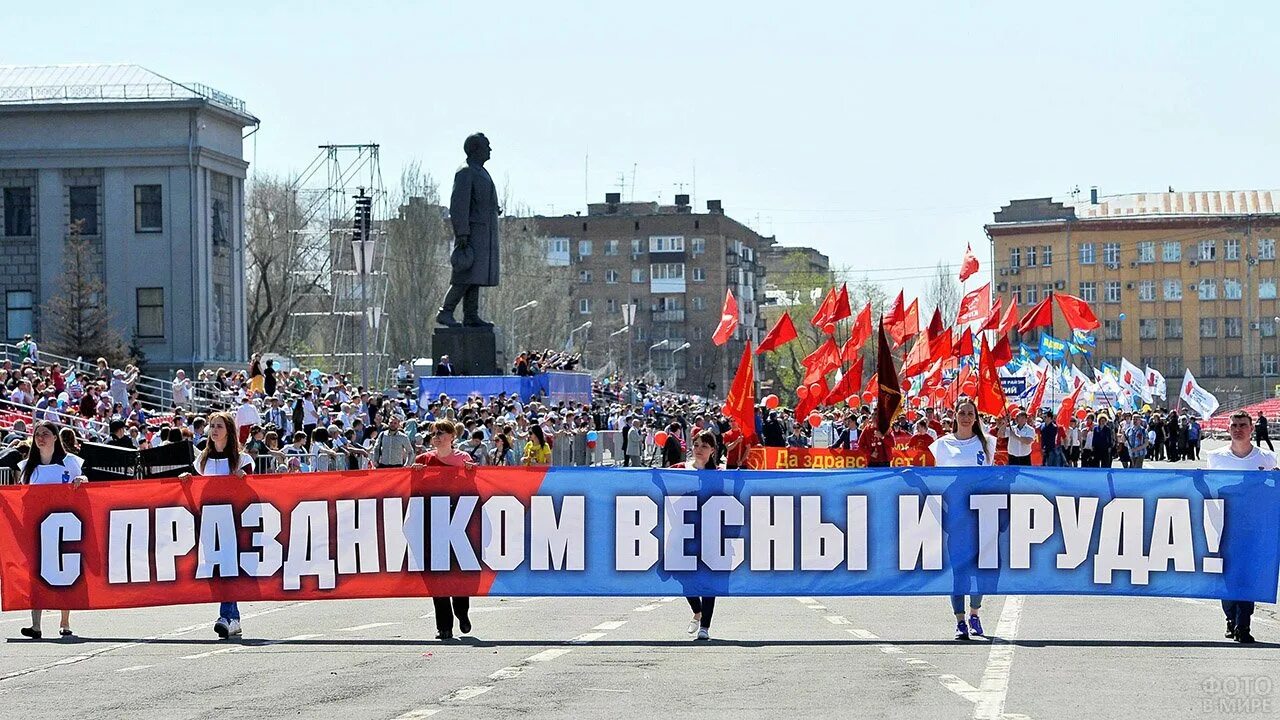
75 318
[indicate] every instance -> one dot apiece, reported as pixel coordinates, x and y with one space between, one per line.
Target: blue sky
883 135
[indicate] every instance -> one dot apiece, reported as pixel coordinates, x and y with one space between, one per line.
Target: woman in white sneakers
703 458
222 457
48 463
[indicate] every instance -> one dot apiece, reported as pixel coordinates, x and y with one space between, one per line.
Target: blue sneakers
962 631
975 625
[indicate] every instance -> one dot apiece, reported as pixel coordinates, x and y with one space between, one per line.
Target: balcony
668 316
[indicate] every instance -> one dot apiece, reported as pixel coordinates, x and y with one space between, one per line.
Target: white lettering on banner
919 532
821 543
856 531
218 547
449 533
264 520
718 552
1213 519
1030 523
1171 537
558 545
57 568
1076 521
676 530
1120 544
357 536
129 544
175 536
635 547
309 546
988 507
502 533
404 534
773 532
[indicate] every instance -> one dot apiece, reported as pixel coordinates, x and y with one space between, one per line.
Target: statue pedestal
472 350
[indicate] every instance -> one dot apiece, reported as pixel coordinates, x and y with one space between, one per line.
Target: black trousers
704 605
1019 460
470 297
1264 438
444 614
1239 613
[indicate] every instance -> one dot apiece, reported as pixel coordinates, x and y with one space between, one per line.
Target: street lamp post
584 326
514 335
655 346
620 331
674 374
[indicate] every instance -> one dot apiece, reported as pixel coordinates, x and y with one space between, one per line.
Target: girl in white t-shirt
222 457
48 463
968 446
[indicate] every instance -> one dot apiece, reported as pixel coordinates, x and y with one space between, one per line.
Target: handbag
462 257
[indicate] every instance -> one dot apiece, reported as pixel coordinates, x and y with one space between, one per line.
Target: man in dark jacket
473 210
1104 440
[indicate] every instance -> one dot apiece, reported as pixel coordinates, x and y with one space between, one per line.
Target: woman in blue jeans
968 446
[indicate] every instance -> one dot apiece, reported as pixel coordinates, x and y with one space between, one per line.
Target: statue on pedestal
473 210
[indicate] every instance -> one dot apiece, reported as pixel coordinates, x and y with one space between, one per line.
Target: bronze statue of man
473 209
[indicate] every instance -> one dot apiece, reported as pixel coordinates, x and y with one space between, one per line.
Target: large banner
597 531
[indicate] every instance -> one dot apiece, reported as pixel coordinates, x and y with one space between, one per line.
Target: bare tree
944 293
277 281
76 319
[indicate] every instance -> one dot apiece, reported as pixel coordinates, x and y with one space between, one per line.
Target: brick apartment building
1178 279
674 266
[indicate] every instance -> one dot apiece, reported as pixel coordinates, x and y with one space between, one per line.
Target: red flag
1077 312
963 348
887 390
1009 320
740 403
935 325
895 313
993 318
1068 408
783 332
860 333
918 358
1039 396
969 265
941 346
873 382
842 309
909 326
850 385
826 311
975 306
1039 316
1001 354
728 320
821 361
991 399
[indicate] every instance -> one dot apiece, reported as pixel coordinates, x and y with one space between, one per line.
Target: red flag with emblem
991 399
728 320
969 265
975 306
740 403
888 391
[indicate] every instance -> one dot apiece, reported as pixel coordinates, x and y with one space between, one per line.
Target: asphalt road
1052 657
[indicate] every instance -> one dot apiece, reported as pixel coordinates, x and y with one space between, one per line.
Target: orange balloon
771 401
802 391
815 420
1082 414
815 391
829 328
660 438
867 397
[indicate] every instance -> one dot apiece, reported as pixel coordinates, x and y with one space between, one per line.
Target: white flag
1134 380
1156 382
1196 397
1078 378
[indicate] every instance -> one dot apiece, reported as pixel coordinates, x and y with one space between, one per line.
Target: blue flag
1051 348
1083 338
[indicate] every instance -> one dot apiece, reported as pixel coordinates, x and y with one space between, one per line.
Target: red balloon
802 391
906 385
911 415
815 391
591 444
829 328
920 401
815 420
771 401
1082 414
867 397
660 438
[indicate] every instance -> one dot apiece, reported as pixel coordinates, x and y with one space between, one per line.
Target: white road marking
239 648
607 690
131 668
665 600
610 625
366 626
646 608
586 638
891 650
806 601
837 619
817 607
530 599
466 693
548 655
864 634
959 687
995 678
419 713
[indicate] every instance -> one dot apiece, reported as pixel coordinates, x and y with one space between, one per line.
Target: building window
1031 256
1231 289
1031 295
1266 248
665 243
1046 290
1172 289
1174 366
612 305
19 317
1146 328
1015 293
610 247
1111 329
1171 251
1208 289
611 277
1146 290
584 248
699 274
667 271
698 302
84 208
1267 327
17 211
148 214
584 306
637 246
1086 254
637 275
1046 255
1208 327
1267 289
1232 326
1268 363
1235 365
1089 291
1111 253
558 246
150 303
584 276
1231 248
1015 257
1172 328
1147 251
1208 250
698 245
1209 365
1113 291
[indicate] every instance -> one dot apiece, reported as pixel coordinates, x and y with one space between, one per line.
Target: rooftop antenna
633 180
693 201
586 177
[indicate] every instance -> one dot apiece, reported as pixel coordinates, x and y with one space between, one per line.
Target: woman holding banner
442 454
967 446
221 457
704 458
48 463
